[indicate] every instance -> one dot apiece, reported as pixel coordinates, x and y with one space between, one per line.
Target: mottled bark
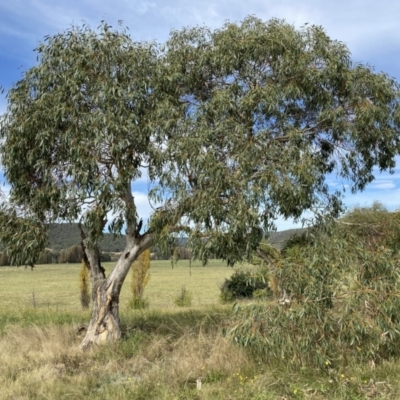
104 326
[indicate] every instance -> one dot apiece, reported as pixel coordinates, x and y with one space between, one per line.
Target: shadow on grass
142 329
163 322
177 322
31 316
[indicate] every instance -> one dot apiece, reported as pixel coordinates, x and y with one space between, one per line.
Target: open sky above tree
368 28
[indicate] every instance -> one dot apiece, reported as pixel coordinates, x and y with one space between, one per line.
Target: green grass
55 286
164 349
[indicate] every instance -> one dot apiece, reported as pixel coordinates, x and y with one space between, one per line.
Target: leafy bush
243 284
343 297
184 298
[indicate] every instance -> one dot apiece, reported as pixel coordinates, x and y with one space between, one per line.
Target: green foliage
245 284
83 112
262 294
184 299
266 254
208 114
375 226
22 233
84 286
285 97
69 255
297 242
341 299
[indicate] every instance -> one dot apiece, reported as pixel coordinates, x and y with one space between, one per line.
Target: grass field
165 349
56 286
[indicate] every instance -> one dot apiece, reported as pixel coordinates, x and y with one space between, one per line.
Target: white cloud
144 208
390 198
357 22
144 177
382 184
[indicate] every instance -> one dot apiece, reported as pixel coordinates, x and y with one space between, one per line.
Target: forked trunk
104 326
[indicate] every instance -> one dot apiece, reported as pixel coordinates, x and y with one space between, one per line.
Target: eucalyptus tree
76 134
234 126
272 113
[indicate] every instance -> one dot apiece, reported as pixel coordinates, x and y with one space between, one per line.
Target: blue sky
371 30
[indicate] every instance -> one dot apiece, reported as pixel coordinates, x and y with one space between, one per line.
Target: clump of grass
138 303
184 298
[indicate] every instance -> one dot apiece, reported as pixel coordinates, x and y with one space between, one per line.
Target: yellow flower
342 375
295 391
327 362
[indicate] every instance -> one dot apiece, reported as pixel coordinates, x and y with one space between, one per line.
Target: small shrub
243 284
184 299
84 286
140 278
138 303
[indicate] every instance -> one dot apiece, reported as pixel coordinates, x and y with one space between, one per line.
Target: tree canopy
234 127
268 113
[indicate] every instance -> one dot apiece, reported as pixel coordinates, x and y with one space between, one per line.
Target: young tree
140 278
235 128
84 286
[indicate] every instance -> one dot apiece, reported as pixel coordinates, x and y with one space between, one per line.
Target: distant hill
62 236
278 239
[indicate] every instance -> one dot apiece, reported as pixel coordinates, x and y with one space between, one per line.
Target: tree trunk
104 326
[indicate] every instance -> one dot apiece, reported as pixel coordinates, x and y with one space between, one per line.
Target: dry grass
164 350
162 355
